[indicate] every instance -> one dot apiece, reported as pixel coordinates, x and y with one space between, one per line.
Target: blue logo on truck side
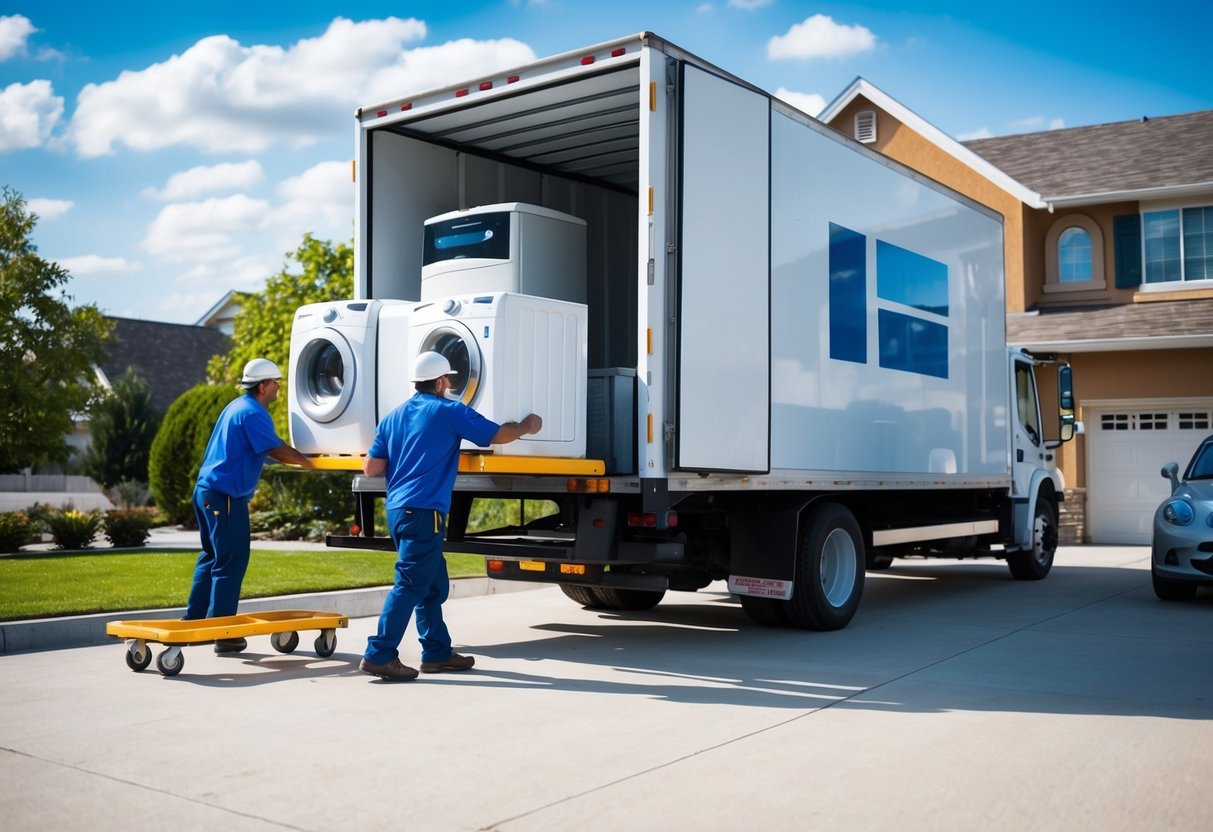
914 291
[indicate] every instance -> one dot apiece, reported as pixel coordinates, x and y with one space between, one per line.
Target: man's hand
510 431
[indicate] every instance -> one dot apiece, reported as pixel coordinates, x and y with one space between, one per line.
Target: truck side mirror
1065 402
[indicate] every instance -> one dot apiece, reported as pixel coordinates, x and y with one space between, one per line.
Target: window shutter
1126 235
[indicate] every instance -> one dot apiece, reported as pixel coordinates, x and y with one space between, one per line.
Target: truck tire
583 595
1035 563
633 600
767 612
829 571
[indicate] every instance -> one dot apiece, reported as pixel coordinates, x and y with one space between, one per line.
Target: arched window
1074 255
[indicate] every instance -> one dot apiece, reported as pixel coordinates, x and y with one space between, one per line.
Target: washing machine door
324 377
456 342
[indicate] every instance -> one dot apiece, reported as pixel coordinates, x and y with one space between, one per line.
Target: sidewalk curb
88 630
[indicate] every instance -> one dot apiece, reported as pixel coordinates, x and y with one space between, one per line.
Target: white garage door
1126 448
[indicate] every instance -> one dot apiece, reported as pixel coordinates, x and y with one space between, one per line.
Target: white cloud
820 37
28 112
749 5
229 176
93 264
979 133
808 102
320 201
1033 124
14 33
207 231
705 8
220 96
50 209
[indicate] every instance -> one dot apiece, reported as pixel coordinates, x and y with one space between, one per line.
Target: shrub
16 530
127 527
291 504
130 494
179 446
74 529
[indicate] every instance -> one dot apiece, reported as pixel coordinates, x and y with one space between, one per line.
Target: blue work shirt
420 441
237 448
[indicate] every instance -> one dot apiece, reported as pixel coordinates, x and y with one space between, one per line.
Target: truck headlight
1178 512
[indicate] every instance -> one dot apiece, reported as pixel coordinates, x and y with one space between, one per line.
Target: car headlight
1178 512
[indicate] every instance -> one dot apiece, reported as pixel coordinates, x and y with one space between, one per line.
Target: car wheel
1169 590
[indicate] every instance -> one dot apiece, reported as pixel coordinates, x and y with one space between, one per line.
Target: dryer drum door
457 345
325 376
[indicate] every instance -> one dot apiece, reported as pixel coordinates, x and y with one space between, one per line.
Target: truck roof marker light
587 60
486 85
381 114
460 93
511 79
406 106
615 53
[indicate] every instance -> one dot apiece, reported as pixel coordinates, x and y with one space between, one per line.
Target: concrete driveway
958 699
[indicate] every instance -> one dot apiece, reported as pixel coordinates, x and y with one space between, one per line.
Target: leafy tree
47 348
179 446
262 328
123 425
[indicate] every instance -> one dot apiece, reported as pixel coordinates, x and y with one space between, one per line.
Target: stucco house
1109 249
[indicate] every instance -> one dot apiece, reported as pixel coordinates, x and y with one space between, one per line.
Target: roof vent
865 126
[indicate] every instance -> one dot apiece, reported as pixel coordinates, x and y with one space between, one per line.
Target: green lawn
43 584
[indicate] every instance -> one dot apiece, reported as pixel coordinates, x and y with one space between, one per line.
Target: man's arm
510 431
374 466
286 454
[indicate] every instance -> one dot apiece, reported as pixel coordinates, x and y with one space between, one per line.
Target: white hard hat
431 365
259 370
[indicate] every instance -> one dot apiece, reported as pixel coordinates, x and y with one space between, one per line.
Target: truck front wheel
1034 563
829 571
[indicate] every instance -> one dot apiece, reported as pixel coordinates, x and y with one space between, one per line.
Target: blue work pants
421 584
224 527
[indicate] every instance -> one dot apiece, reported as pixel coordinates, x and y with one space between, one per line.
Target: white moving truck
794 347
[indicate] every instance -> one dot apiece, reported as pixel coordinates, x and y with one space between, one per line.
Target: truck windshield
479 235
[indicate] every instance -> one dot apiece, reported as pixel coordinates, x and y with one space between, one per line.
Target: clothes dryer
514 355
332 390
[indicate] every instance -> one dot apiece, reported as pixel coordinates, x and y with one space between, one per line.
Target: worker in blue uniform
243 437
416 447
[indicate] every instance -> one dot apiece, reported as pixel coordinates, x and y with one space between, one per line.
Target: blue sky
173 154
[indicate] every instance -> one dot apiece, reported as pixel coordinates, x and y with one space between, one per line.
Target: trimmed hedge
179 446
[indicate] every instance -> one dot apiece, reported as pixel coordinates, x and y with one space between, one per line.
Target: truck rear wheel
583 595
1034 564
628 599
769 612
829 571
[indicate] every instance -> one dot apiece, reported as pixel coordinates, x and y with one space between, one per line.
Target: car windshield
1201 466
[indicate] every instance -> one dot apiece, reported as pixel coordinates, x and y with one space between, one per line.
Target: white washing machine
331 395
514 355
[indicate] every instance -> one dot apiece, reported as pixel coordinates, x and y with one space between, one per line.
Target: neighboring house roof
171 357
1128 160
1181 324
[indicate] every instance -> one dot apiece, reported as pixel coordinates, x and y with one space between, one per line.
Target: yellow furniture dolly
283 627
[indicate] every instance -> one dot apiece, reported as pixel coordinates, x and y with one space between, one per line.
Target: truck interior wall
412 180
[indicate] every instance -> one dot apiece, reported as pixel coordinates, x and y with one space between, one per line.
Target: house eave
1134 195
1161 342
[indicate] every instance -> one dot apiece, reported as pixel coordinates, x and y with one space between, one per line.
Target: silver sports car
1182 557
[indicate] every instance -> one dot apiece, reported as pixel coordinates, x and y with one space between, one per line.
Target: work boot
230 645
455 662
393 671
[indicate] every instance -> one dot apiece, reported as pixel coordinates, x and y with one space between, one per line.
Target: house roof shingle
171 357
1089 328
1107 158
